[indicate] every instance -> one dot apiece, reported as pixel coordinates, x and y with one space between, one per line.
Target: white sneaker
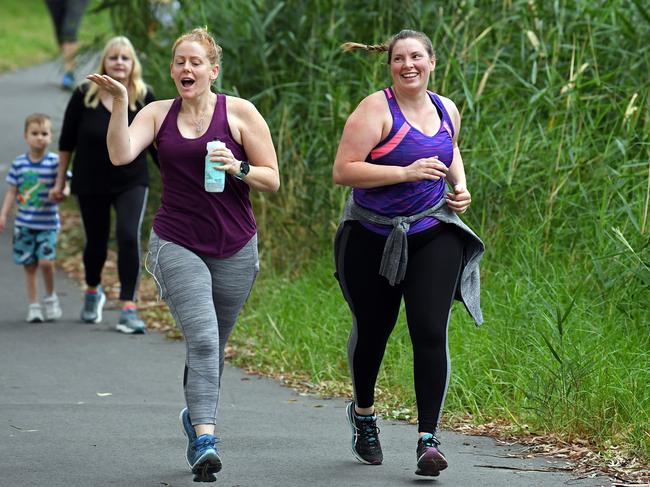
34 314
52 308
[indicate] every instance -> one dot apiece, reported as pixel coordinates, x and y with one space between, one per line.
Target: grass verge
27 34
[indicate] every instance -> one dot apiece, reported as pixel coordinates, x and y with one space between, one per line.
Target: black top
84 133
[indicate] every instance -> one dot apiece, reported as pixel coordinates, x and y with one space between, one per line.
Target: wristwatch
244 168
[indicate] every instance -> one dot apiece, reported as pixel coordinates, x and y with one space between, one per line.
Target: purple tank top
403 145
209 224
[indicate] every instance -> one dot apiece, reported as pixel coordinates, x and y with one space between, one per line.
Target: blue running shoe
430 459
365 437
68 81
93 306
205 461
130 322
190 434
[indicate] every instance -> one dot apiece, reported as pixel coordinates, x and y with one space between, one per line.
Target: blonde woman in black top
98 185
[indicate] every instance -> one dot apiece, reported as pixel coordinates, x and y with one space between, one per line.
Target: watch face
244 168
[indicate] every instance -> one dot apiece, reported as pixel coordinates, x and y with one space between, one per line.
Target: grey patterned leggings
204 296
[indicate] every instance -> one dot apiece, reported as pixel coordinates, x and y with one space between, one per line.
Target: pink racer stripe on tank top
392 143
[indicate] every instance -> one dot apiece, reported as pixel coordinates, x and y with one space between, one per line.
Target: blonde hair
136 87
203 37
38 118
389 45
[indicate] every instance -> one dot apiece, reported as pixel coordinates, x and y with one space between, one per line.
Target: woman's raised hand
108 84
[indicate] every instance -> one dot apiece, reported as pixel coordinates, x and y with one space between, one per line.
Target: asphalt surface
83 405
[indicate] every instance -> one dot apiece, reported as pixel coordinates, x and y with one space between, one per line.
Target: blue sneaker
190 434
130 322
205 461
93 306
68 81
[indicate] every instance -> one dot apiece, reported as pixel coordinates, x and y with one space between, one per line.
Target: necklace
198 124
199 120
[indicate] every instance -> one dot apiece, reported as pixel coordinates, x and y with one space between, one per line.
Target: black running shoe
365 437
430 459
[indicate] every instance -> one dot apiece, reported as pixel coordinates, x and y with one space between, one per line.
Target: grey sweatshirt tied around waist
395 256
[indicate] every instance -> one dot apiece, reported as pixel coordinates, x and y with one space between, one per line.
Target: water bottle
214 180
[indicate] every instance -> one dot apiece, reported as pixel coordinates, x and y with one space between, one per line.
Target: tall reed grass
556 143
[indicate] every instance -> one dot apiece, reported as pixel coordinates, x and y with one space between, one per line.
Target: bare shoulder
240 108
372 111
244 119
374 103
159 107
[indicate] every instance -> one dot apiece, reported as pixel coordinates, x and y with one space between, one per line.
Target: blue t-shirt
34 180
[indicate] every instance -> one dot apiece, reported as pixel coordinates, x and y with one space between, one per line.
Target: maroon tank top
210 224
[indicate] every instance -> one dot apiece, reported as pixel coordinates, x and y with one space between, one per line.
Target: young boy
30 178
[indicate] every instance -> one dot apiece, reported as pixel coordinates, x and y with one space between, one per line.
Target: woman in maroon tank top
203 247
397 149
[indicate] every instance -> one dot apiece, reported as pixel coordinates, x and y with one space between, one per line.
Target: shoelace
430 441
206 443
369 430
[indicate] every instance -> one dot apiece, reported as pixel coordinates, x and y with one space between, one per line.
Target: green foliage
556 144
27 34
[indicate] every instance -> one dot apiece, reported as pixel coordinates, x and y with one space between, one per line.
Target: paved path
82 405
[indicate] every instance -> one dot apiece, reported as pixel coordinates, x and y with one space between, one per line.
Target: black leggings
434 262
96 215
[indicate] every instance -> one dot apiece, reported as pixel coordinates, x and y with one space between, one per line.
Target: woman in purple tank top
203 246
398 151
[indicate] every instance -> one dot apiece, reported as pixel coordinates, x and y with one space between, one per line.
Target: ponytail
349 46
388 46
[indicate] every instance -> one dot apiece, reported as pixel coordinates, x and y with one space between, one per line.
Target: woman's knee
205 345
127 242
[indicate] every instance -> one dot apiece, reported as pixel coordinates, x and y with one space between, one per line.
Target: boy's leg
24 253
51 301
45 250
34 312
47 271
30 281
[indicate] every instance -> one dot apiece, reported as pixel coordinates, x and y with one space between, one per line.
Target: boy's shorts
31 245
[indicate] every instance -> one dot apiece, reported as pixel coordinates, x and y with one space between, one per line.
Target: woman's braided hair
388 47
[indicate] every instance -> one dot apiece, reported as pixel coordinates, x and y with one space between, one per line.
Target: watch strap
244 169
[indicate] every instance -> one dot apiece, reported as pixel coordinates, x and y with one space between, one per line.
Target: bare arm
249 125
7 204
461 198
126 142
364 129
57 193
